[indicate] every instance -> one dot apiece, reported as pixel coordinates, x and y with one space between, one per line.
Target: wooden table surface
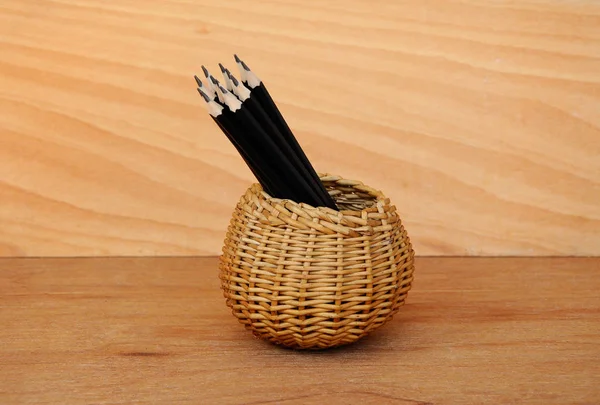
156 330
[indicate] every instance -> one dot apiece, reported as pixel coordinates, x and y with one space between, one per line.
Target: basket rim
377 195
347 222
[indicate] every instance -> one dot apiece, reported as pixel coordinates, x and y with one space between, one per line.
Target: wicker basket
308 278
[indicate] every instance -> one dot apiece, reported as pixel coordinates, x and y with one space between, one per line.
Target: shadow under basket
314 278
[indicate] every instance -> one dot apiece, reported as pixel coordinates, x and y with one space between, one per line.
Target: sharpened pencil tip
234 80
198 81
222 68
212 79
205 71
223 89
237 59
244 65
204 95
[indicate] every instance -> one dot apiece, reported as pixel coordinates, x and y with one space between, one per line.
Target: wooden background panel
479 119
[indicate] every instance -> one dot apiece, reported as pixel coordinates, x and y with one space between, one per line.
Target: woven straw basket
310 278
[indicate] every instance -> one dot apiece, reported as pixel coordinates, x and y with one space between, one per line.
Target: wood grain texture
480 119
154 331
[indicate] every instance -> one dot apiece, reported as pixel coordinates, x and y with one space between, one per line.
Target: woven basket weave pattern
306 277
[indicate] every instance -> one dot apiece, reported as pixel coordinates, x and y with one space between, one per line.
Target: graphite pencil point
205 71
203 94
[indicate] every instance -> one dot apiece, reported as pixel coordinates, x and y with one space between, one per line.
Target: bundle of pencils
248 116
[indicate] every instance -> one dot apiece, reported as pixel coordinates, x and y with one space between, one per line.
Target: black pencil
276 179
248 116
254 131
257 111
259 90
271 179
217 113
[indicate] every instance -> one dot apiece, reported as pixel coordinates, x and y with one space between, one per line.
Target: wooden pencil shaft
264 98
271 156
267 124
269 175
273 153
262 178
270 172
284 187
